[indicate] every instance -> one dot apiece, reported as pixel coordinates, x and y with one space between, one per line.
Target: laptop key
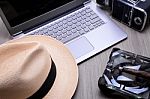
74 21
55 30
94 16
55 26
64 31
64 21
86 29
92 12
69 33
65 25
88 10
78 24
69 19
58 33
68 28
88 23
50 28
59 38
95 20
82 32
64 40
73 26
83 26
78 28
60 28
69 23
60 24
88 14
79 19
73 30
54 36
83 17
64 35
49 32
91 27
83 12
83 21
74 17
78 15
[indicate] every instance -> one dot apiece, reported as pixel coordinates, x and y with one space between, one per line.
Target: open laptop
79 24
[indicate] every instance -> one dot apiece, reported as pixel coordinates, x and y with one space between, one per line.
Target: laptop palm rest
80 47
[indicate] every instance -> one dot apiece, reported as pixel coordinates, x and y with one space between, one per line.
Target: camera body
134 13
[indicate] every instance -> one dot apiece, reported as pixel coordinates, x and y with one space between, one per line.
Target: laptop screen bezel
40 19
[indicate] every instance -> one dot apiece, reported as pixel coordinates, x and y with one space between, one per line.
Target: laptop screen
21 15
18 11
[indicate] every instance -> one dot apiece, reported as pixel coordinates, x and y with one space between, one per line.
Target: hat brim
67 71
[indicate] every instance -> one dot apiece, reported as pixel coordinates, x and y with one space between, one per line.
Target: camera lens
138 20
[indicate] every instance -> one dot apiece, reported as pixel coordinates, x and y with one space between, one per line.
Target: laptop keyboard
72 26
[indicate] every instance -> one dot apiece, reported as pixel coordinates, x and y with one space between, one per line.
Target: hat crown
23 69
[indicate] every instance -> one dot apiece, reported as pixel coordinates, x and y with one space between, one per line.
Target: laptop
80 24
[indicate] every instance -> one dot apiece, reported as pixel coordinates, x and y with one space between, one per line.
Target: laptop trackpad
80 47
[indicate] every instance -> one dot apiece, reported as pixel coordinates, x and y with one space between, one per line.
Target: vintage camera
134 13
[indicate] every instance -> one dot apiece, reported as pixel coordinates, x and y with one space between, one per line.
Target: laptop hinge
18 33
88 1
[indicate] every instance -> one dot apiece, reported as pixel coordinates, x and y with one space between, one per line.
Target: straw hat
37 67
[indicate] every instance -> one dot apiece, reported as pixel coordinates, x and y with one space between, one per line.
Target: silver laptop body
86 39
